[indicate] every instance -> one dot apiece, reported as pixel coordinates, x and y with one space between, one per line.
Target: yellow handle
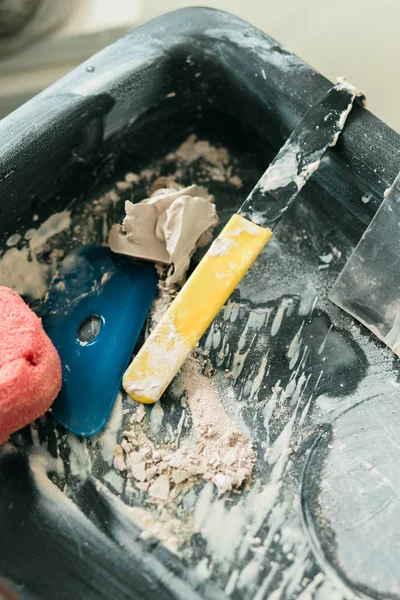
203 295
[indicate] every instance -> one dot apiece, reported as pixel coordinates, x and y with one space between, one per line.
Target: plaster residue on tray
22 268
167 227
157 466
215 451
206 446
31 257
214 161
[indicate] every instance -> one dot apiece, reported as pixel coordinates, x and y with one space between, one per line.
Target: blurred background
41 40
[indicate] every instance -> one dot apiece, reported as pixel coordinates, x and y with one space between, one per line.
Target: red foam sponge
30 368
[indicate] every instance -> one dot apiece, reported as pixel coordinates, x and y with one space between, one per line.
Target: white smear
309 592
246 226
304 412
291 386
277 322
147 521
203 569
41 456
387 191
270 408
301 385
231 311
79 459
286 170
365 199
281 444
58 508
327 591
276 520
342 84
322 346
35 436
221 529
230 586
216 338
20 269
180 426
262 590
309 298
267 51
104 228
314 304
249 574
24 276
292 577
294 348
258 379
13 239
262 504
326 258
164 360
220 246
55 224
344 115
209 339
156 417
106 277
108 437
257 318
115 480
29 233
238 363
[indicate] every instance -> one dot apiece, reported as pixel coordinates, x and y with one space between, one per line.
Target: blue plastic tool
95 310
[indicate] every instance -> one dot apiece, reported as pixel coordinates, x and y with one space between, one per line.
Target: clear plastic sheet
369 286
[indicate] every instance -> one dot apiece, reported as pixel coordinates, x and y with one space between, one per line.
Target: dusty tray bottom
311 389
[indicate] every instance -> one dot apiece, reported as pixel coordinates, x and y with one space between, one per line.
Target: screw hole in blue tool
89 329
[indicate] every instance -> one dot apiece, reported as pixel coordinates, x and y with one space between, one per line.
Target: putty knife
368 288
236 248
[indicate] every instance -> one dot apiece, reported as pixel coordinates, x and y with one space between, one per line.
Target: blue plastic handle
119 291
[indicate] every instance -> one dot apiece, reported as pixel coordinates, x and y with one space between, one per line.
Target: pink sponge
30 368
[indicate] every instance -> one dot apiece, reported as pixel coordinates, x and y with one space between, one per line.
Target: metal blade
299 157
368 288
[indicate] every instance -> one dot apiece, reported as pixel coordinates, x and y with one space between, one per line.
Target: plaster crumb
236 182
138 415
192 149
213 161
123 185
143 485
13 240
119 462
159 489
132 178
326 258
212 450
21 268
138 471
168 530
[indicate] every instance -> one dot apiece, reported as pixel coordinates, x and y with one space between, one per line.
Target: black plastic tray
326 515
